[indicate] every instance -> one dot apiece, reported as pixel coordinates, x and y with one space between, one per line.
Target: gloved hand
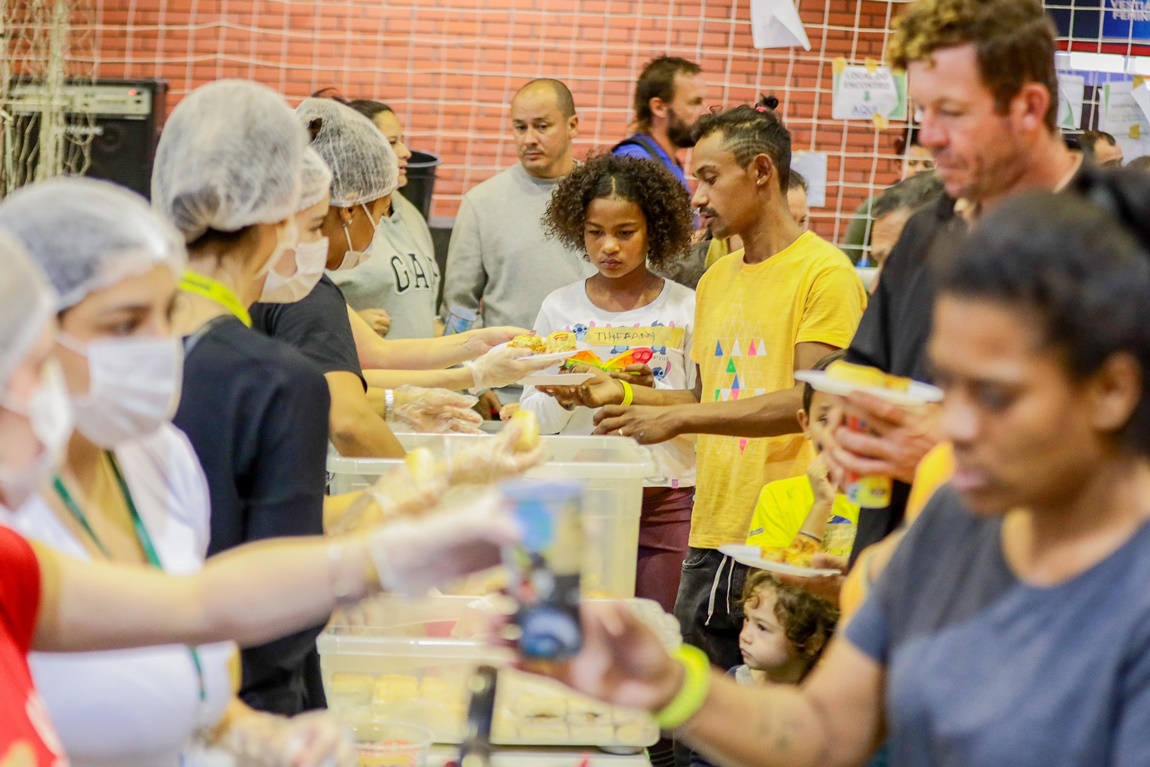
493 460
436 411
413 555
398 493
480 340
503 366
314 739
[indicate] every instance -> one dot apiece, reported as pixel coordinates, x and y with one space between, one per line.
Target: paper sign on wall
813 167
1121 116
1071 93
862 92
776 24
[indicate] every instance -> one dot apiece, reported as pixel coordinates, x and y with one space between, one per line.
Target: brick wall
449 67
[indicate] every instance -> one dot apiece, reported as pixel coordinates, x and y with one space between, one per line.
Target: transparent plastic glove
493 460
315 739
480 340
503 366
399 493
437 411
413 555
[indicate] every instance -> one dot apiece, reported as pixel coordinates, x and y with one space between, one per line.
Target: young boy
807 505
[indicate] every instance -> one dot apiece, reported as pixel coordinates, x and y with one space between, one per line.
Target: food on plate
529 430
559 341
864 375
800 553
536 344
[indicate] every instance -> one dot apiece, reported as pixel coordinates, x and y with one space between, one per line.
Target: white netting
449 68
47 46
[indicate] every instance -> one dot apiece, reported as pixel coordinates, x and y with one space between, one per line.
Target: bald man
500 266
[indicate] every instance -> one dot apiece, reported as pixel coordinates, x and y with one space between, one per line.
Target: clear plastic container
410 661
611 470
384 743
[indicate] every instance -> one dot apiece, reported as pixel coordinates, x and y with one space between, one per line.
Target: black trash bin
421 181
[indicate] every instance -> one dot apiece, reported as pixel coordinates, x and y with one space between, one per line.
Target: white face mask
133 387
50 413
353 257
310 261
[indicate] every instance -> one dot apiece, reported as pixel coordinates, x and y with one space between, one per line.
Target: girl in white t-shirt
627 214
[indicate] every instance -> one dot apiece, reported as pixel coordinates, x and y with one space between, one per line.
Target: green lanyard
216 292
141 535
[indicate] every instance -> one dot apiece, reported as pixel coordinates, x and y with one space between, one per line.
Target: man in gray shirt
500 264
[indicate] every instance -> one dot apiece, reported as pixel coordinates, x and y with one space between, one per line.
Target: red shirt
26 735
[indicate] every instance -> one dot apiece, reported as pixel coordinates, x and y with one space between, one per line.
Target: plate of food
793 560
555 347
843 378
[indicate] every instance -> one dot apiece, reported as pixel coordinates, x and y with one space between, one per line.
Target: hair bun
767 103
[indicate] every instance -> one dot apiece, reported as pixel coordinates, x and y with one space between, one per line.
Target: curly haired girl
628 213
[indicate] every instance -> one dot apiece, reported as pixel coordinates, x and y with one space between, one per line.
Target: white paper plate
752 556
553 357
556 379
917 394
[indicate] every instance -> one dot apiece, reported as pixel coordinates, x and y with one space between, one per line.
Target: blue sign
1116 21
1126 20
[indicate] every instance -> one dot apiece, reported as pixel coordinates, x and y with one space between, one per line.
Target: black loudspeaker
122 117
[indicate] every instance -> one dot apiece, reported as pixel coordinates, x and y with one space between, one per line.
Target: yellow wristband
693 693
628 394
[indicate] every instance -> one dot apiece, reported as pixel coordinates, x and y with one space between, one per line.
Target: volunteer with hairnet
53 602
419 409
365 175
317 325
130 488
227 175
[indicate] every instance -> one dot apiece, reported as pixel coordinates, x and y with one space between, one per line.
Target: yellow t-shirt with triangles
748 319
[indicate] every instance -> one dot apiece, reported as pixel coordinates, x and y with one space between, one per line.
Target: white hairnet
315 181
363 165
229 157
87 234
27 303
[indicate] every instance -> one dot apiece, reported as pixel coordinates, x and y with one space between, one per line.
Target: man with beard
669 100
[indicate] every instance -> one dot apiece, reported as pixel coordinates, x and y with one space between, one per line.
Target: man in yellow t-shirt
779 305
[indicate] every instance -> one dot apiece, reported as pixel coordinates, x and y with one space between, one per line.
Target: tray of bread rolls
411 661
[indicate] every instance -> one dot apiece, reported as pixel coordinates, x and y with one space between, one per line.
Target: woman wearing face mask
227 175
130 489
365 175
421 409
52 602
397 291
317 325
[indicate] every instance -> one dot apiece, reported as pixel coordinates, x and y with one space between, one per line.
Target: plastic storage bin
411 661
611 469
